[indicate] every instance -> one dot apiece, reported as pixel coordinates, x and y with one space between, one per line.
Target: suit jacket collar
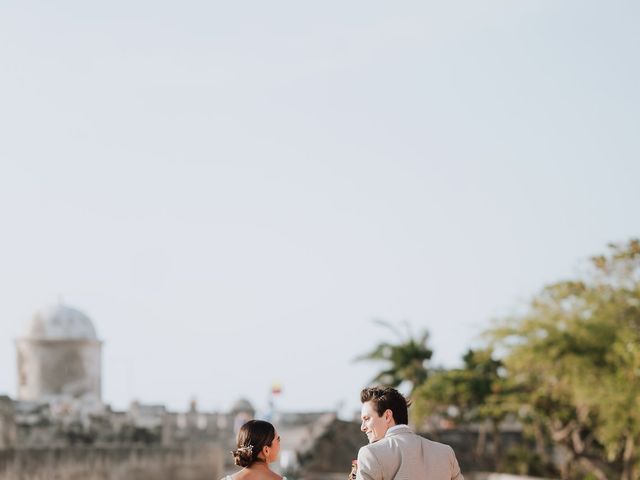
400 429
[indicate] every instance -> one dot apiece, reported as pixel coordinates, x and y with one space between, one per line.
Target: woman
258 446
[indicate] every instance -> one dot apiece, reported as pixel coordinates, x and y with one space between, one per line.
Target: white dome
61 322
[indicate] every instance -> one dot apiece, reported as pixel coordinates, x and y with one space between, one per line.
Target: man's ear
388 415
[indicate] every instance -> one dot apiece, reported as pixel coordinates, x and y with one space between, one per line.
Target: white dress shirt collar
394 428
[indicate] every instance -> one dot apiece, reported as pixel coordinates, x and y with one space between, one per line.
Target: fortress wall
193 462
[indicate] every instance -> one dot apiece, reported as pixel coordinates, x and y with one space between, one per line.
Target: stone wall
464 444
7 422
333 451
193 462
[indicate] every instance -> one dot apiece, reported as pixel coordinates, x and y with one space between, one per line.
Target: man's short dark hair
387 398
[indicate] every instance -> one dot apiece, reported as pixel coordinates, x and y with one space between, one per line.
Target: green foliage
574 360
475 391
473 394
406 360
521 460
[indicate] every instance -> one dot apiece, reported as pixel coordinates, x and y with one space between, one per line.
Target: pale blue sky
232 190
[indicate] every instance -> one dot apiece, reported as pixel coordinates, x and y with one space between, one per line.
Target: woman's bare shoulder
270 476
248 475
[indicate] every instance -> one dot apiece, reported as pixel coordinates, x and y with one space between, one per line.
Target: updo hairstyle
252 438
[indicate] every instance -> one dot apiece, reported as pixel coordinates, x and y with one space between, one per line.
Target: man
394 451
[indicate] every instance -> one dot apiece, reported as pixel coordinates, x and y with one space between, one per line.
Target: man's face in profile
374 425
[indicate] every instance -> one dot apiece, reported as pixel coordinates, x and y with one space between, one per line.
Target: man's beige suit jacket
403 455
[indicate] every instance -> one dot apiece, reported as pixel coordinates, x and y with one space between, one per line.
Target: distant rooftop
60 322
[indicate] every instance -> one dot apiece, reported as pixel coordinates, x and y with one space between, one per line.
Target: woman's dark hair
387 398
252 438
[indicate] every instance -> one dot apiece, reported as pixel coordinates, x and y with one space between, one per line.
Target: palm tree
406 358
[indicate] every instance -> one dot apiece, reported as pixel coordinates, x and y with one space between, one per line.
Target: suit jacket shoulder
408 437
405 455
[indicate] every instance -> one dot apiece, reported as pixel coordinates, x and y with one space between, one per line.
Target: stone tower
59 355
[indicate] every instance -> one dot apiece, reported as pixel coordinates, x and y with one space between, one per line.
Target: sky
232 191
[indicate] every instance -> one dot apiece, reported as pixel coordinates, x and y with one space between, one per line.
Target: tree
406 359
574 360
473 394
